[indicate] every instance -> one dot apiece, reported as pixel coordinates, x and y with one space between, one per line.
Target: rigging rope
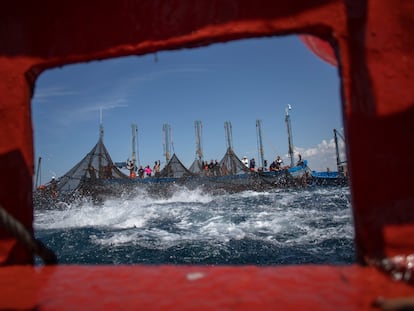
14 227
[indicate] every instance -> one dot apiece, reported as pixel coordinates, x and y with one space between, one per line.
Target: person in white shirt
245 161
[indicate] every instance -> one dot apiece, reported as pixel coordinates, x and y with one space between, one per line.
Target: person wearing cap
279 163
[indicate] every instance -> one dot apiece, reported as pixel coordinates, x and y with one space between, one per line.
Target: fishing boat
333 178
372 45
329 179
229 175
97 177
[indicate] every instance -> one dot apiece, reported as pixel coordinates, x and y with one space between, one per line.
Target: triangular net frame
175 168
197 167
97 164
230 164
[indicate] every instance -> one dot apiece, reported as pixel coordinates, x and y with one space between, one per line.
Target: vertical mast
199 146
229 135
101 129
260 143
339 163
133 143
166 128
38 173
289 130
101 134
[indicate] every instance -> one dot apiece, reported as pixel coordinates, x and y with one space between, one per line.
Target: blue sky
240 81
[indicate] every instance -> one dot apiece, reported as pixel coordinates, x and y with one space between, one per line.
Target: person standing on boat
245 161
157 168
279 163
131 167
53 187
252 164
211 168
216 168
141 172
148 171
206 168
300 161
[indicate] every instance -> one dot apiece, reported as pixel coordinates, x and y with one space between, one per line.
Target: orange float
373 43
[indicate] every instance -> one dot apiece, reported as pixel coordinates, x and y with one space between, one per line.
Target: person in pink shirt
148 171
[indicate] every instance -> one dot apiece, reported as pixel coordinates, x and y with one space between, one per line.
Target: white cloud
89 111
322 156
44 94
104 105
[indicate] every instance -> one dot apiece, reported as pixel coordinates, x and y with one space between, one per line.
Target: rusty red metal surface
195 288
375 47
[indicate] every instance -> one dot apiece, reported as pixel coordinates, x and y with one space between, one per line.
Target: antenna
289 130
260 143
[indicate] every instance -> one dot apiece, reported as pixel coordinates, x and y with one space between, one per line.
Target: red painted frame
373 42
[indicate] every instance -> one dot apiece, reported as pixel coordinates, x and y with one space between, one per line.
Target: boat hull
329 179
98 190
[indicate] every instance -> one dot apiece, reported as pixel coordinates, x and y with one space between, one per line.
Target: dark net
174 168
231 164
97 164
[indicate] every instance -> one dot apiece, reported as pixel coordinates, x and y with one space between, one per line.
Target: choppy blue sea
282 226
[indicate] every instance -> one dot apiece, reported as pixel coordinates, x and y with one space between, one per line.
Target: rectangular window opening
96 124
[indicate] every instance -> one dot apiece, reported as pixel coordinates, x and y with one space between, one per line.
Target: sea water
281 226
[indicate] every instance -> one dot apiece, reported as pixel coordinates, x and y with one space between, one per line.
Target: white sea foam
288 217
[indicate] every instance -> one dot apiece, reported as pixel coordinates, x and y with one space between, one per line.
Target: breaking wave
289 226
